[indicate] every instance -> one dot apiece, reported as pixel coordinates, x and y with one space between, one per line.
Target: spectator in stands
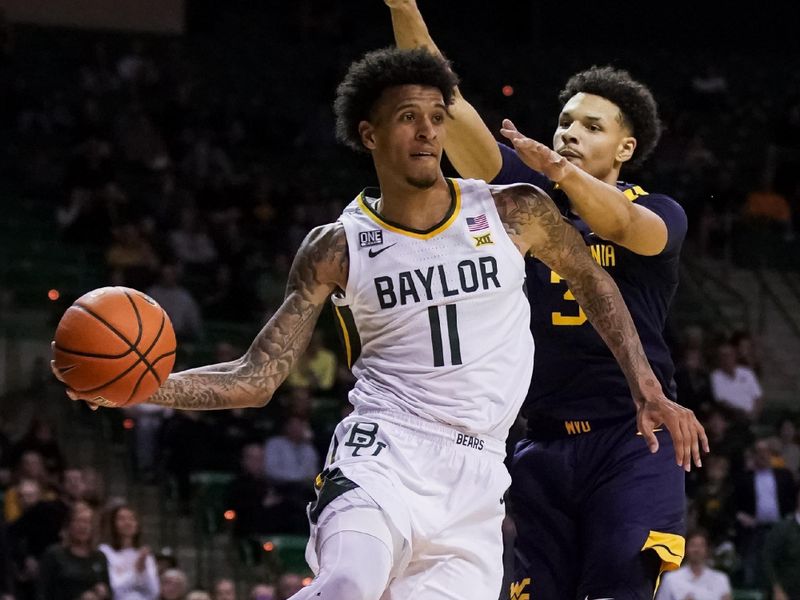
131 566
224 589
691 377
736 386
260 508
782 557
712 507
789 447
179 303
236 428
67 570
290 458
135 68
38 528
31 467
165 560
288 585
262 591
41 438
747 354
148 420
132 257
316 369
191 244
185 448
94 487
729 437
73 486
174 584
695 580
198 595
764 495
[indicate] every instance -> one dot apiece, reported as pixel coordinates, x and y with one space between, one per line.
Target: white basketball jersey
436 323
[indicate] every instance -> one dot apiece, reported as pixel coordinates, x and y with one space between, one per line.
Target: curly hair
367 78
635 101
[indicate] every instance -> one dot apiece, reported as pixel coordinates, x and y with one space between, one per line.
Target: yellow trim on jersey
634 192
345 336
670 548
370 212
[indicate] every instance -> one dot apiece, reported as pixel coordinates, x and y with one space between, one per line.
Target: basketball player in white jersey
427 276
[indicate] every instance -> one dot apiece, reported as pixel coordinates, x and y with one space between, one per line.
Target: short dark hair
698 532
635 101
378 70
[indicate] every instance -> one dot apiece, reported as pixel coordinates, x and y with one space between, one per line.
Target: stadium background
191 144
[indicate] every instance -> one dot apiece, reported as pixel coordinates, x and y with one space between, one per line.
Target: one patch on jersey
482 240
370 238
477 223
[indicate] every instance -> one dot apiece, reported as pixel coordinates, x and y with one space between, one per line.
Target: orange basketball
117 343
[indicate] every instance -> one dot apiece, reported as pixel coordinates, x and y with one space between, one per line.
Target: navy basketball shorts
597 515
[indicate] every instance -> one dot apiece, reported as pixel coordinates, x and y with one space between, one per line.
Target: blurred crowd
64 538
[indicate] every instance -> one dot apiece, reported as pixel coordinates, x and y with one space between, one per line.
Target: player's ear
367 132
625 149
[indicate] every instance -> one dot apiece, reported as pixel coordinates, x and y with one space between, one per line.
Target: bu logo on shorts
362 436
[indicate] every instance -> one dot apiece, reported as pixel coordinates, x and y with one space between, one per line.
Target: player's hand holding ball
113 347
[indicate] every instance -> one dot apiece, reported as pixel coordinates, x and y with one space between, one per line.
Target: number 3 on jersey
562 319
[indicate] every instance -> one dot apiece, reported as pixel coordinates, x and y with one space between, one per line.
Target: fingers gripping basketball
114 342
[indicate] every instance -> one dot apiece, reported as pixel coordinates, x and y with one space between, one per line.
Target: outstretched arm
319 267
535 224
605 209
470 145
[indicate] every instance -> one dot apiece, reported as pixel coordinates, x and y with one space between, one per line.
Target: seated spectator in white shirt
131 566
695 580
291 457
736 386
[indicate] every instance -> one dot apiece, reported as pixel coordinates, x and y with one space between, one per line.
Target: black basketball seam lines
150 366
141 332
154 363
132 347
90 354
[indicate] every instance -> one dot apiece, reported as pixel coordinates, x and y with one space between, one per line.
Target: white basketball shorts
432 494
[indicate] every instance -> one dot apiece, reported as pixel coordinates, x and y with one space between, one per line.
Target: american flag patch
477 223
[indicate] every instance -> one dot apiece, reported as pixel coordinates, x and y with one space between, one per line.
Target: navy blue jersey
576 379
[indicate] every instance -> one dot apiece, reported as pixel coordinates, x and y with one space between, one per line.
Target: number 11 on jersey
451 314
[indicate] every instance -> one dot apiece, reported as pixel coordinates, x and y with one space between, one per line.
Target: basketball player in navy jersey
599 512
429 272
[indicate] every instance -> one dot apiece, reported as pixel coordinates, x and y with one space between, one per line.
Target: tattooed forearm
534 223
320 265
598 295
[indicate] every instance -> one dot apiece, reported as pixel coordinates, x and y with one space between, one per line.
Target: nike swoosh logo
373 253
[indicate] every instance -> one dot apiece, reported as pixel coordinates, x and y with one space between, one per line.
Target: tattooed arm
321 265
534 223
